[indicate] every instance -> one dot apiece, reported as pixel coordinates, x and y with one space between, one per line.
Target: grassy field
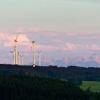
94 86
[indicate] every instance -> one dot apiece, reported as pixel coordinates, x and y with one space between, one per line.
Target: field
94 86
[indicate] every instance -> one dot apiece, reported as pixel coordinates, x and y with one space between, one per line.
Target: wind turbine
33 53
21 59
15 51
39 58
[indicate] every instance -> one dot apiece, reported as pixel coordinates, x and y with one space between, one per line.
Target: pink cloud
97 59
35 30
25 41
70 47
83 35
3 36
67 47
26 30
47 47
22 40
93 47
40 30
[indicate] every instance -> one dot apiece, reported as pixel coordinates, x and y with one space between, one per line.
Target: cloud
8 39
26 30
81 34
22 38
70 47
84 60
97 59
44 32
47 48
52 43
2 35
93 47
55 47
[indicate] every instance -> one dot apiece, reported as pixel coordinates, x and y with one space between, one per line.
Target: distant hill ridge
72 73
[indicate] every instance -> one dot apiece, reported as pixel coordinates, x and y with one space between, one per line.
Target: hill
71 73
35 88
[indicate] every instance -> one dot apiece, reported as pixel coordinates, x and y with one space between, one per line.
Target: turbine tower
21 59
16 52
39 58
33 53
18 58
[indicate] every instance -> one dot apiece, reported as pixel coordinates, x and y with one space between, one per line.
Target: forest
36 88
47 82
75 74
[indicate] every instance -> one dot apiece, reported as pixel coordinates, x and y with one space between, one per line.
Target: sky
67 32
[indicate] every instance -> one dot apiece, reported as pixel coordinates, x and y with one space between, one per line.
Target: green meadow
93 86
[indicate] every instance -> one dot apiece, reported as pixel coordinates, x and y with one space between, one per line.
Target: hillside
71 73
35 88
93 86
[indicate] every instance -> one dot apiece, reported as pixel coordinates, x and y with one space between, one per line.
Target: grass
94 86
